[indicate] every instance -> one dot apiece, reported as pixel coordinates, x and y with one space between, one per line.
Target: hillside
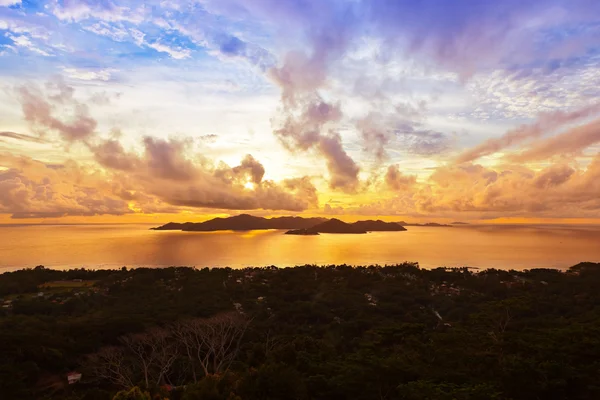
303 333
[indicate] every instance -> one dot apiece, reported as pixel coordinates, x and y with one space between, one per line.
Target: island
305 232
294 225
334 225
242 222
430 224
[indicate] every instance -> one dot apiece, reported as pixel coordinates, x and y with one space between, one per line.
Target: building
73 377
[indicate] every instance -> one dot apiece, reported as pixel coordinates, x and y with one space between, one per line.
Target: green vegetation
74 284
338 332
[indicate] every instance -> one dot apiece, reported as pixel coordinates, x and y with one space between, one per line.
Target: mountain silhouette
297 225
243 222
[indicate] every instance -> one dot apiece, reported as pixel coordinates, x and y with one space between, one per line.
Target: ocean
477 246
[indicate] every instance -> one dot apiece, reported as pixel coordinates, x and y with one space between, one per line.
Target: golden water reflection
134 245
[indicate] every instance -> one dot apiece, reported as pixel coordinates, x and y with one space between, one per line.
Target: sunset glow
157 111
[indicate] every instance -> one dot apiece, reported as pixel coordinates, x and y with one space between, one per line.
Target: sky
432 110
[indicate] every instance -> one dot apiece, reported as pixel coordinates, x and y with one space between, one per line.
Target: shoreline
115 267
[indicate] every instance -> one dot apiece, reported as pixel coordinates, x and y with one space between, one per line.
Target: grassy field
67 284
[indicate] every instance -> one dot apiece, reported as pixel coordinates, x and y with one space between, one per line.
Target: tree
153 354
111 364
212 343
134 393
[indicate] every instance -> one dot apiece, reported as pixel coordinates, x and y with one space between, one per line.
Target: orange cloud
395 180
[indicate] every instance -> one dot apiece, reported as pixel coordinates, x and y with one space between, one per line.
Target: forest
307 332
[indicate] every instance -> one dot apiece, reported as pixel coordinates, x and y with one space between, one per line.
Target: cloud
333 210
112 155
309 124
249 166
162 179
466 38
25 42
571 142
545 124
41 109
78 10
422 141
559 190
31 189
528 91
114 32
172 172
343 170
229 46
21 136
177 53
88 74
462 36
220 37
8 3
396 180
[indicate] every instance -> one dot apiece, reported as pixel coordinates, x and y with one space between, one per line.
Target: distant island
334 225
243 222
294 225
429 224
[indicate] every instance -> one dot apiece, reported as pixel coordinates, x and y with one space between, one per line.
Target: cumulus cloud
396 180
31 189
561 190
169 170
111 154
167 174
557 191
309 123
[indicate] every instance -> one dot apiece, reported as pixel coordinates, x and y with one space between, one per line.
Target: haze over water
103 246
